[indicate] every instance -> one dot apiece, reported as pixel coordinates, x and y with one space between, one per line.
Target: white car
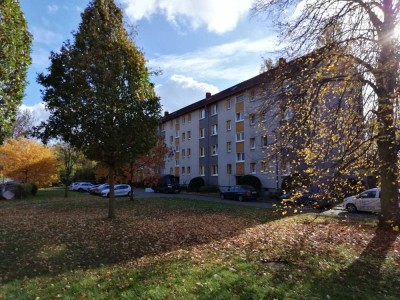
119 190
81 186
368 200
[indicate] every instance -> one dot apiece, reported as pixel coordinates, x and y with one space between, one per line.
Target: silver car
119 190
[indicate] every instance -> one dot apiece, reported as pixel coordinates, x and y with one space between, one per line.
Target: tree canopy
29 161
365 34
98 92
15 41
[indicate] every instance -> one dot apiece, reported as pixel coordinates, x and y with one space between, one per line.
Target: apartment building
219 139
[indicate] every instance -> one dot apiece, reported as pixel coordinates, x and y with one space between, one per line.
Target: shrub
20 190
209 189
195 184
250 180
34 189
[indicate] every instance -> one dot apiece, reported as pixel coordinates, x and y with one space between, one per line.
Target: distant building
227 135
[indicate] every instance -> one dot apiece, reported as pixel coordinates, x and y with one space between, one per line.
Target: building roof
233 90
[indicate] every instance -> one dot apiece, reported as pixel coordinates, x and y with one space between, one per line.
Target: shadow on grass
72 234
366 275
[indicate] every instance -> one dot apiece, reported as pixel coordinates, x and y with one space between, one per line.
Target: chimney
282 61
208 95
166 114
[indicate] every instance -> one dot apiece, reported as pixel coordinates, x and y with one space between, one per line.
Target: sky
200 46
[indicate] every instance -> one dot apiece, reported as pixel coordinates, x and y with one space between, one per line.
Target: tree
368 36
99 95
68 158
23 124
29 161
15 41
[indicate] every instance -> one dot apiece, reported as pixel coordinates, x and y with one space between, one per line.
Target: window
264 141
252 143
188 152
214 129
252 118
214 109
228 147
228 125
285 165
252 95
183 136
177 148
177 162
189 119
214 170
171 170
171 138
183 171
202 133
264 117
239 98
202 171
183 119
288 115
189 135
228 104
176 121
183 153
177 134
188 170
253 168
228 169
240 156
264 167
239 136
239 116
202 113
202 152
214 149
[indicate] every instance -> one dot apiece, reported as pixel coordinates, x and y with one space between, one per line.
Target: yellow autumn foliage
29 161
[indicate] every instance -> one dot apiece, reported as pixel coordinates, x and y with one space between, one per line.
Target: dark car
167 184
239 192
316 200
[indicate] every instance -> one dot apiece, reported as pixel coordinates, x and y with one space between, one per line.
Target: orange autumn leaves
29 161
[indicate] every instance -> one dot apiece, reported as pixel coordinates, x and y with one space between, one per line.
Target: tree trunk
131 181
66 190
111 200
387 146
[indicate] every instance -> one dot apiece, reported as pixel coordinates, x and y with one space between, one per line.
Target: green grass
166 248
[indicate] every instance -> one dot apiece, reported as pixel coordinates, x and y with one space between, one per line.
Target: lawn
166 248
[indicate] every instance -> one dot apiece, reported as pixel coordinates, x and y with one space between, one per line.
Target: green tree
15 41
69 158
368 37
99 94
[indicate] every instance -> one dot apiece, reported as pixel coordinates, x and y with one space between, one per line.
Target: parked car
314 199
119 190
239 192
368 200
167 184
97 190
82 186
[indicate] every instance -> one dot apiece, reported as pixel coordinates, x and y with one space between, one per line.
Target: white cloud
218 16
52 9
179 91
44 36
38 111
237 60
